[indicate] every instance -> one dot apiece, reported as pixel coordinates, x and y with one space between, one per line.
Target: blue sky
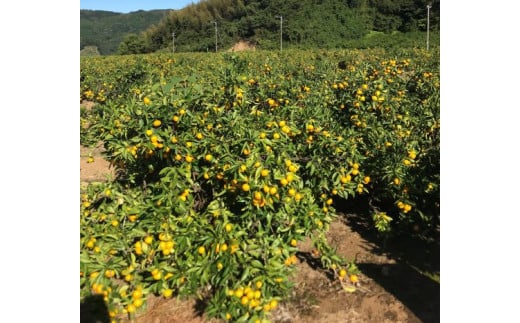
126 6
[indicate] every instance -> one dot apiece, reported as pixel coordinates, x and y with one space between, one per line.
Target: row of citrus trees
225 162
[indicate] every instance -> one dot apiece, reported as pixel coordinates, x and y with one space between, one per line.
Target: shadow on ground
94 310
420 294
415 277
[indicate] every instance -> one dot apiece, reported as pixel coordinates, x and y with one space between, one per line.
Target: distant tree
132 44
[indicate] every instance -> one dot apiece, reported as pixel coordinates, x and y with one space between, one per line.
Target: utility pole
216 33
173 48
281 30
428 28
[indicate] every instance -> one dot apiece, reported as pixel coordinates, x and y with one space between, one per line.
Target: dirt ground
392 288
241 46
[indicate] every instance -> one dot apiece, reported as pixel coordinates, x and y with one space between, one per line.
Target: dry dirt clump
241 46
92 166
87 105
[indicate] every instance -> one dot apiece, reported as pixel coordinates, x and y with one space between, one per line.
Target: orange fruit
167 293
130 308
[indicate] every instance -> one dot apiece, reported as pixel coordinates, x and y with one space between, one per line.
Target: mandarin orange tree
225 162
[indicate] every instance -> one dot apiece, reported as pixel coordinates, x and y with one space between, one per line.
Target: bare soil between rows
392 289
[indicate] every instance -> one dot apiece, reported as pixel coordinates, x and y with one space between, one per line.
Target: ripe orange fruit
239 292
130 308
91 243
137 294
138 302
167 293
345 179
224 247
109 273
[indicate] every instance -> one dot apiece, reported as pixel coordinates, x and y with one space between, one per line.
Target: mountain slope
106 30
305 23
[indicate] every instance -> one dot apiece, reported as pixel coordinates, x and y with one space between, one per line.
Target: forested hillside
106 30
305 23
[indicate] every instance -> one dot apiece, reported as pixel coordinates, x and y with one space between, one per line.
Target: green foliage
226 161
395 40
404 15
132 44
